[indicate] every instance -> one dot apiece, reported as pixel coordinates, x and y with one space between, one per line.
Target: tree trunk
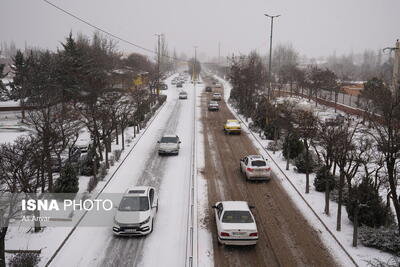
327 191
287 155
116 134
355 226
275 138
395 199
3 246
123 138
36 222
339 212
307 169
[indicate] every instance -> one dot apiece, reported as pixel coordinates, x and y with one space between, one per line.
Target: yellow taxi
232 126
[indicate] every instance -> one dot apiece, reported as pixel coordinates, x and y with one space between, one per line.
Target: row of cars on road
234 220
138 207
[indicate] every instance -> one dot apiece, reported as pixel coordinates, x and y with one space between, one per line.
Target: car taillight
254 234
267 169
250 169
224 234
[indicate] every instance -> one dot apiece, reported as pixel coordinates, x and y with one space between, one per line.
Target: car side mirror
214 207
241 159
158 141
251 207
180 142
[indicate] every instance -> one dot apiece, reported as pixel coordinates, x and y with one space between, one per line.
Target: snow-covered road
166 246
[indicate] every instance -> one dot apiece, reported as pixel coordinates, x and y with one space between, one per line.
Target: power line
107 32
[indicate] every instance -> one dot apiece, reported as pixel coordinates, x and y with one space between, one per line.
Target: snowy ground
316 200
166 246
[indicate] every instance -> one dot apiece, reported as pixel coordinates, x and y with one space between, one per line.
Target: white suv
255 167
169 144
136 212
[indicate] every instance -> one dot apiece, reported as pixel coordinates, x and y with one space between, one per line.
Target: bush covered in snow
24 260
68 181
372 210
117 154
323 176
300 162
294 144
385 239
274 146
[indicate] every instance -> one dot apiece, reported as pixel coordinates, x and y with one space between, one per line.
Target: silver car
136 212
255 167
169 144
183 95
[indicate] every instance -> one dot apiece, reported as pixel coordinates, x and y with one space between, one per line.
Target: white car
169 144
255 167
183 95
235 223
216 97
136 212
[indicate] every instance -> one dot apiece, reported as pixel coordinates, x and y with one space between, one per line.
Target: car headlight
145 221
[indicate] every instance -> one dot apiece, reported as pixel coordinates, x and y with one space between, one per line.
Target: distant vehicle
213 106
163 86
174 82
208 89
235 223
136 212
216 96
179 85
183 95
169 144
232 126
255 167
218 85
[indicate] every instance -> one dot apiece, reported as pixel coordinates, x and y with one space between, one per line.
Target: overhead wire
109 33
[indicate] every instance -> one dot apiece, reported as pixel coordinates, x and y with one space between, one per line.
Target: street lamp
194 65
270 52
158 62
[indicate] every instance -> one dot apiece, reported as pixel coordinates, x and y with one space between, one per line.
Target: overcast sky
314 27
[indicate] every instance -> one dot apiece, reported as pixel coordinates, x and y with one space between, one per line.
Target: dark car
213 106
208 89
164 86
179 85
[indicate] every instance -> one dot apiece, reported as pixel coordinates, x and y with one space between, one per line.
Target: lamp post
194 65
270 52
158 63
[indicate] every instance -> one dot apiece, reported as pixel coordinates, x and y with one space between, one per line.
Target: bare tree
343 147
306 127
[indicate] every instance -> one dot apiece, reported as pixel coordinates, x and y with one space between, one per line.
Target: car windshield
169 140
237 216
182 93
134 204
258 163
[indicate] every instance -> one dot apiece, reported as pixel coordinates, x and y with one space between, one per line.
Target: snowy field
316 200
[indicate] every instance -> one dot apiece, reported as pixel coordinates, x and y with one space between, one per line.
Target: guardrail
191 248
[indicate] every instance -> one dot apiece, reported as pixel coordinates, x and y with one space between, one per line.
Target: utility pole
270 53
194 65
396 68
158 63
219 53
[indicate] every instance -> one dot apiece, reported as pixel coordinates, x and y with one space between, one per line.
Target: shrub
323 176
269 132
68 181
300 162
92 184
25 260
102 171
274 146
87 163
295 144
117 154
372 211
385 239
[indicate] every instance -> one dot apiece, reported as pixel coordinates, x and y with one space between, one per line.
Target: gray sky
314 27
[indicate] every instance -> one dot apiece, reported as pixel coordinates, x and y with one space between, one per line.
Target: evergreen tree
68 181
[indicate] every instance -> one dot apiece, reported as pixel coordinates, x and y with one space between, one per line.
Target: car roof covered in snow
235 205
256 157
138 190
